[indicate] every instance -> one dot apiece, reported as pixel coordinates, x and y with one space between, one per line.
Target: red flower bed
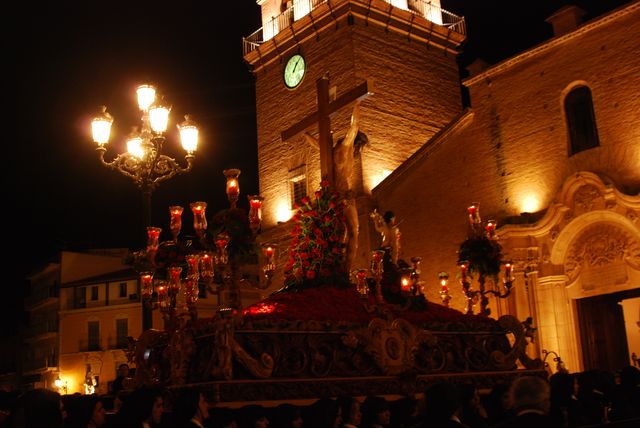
343 305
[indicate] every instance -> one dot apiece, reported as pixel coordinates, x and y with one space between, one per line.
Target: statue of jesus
343 160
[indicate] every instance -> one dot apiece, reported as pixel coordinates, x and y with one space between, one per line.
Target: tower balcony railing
301 8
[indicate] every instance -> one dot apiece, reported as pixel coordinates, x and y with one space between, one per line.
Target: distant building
81 311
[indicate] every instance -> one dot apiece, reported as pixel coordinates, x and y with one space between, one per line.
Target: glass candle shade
174 279
361 282
474 213
162 289
191 291
376 261
269 253
192 265
508 269
175 221
233 186
490 228
222 241
415 261
464 266
153 239
206 266
146 284
255 211
199 216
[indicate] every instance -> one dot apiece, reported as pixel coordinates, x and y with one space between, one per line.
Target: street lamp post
144 161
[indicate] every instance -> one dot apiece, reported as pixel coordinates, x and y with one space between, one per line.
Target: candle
405 284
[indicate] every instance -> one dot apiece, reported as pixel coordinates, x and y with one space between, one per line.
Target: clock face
294 71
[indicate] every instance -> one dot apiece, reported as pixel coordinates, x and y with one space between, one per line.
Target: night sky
68 58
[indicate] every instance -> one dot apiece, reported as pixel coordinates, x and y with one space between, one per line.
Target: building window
123 289
93 342
581 120
122 331
94 293
297 184
80 298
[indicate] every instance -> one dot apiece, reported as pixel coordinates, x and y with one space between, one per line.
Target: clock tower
405 49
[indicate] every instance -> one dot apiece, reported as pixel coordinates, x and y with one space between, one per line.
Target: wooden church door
602 332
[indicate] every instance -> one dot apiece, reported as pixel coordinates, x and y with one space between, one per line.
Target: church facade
548 148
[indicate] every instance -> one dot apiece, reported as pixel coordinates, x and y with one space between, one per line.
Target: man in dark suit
441 407
190 409
530 397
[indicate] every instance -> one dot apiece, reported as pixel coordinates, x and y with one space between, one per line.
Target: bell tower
404 49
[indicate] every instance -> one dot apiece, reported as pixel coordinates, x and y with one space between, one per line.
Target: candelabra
209 259
481 254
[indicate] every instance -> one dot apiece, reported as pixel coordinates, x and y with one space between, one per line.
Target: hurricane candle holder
255 212
206 267
146 285
174 279
361 283
474 214
199 217
233 186
162 290
269 252
175 221
153 240
415 275
222 241
445 297
192 266
377 269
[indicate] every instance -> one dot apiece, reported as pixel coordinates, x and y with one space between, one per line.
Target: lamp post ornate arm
149 176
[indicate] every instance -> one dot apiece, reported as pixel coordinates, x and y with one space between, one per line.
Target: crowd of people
592 398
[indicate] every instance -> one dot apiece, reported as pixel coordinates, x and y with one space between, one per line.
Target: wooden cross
326 108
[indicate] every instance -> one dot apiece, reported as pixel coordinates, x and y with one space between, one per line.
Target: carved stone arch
586 244
591 209
583 192
607 241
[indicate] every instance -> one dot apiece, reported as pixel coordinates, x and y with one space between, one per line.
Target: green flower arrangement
317 252
483 255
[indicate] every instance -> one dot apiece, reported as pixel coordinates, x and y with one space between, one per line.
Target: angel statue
387 226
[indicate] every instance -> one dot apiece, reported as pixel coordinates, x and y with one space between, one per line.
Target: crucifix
326 108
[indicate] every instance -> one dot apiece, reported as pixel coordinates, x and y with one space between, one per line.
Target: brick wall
514 145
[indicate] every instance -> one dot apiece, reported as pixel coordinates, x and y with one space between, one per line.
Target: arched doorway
603 334
578 263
